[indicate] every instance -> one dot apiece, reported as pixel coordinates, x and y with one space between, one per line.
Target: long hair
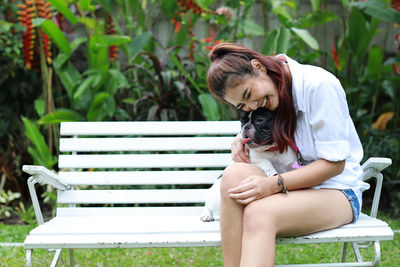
231 64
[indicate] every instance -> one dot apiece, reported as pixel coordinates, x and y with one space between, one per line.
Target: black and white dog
256 133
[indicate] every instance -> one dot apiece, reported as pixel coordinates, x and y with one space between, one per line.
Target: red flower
28 11
396 69
211 39
112 49
335 55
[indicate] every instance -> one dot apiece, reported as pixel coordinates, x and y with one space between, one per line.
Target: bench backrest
142 163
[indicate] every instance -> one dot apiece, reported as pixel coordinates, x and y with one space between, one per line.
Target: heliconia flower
191 36
59 20
335 55
396 5
112 49
27 12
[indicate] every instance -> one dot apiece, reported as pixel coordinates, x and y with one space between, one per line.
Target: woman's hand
252 188
239 151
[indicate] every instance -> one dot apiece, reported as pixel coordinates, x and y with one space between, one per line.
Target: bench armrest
45 176
41 175
379 164
372 169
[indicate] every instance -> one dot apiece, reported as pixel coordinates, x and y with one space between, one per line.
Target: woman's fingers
250 189
240 153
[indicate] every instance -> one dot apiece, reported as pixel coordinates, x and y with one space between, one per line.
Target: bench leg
28 258
71 257
56 257
377 255
344 251
357 253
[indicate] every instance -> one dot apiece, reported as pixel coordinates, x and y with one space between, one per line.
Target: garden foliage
75 60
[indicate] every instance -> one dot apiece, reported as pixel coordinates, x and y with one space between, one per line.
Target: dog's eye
259 121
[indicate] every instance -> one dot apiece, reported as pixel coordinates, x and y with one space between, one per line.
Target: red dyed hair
231 64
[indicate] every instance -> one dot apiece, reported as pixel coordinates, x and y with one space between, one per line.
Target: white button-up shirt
324 126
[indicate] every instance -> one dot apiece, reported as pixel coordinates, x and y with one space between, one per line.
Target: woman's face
254 92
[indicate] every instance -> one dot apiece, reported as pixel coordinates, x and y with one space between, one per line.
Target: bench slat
145 161
140 177
131 196
74 231
130 211
150 128
122 241
145 144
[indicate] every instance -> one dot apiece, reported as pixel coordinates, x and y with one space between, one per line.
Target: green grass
207 256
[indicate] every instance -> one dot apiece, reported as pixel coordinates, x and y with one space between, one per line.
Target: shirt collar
297 83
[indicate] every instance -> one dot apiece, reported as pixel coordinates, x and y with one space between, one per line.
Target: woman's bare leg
231 212
297 213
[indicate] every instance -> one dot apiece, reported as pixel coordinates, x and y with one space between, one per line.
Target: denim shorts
351 196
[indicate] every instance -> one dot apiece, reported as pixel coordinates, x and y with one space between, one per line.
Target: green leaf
56 35
40 152
139 43
282 44
116 39
204 3
315 4
269 46
84 4
87 83
375 59
61 115
97 111
184 72
77 42
379 10
210 107
107 5
306 37
69 76
252 28
98 53
91 23
39 106
282 13
118 80
63 9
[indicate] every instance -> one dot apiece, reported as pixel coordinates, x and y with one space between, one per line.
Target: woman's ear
258 66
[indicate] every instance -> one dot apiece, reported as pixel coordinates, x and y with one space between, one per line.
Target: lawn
208 256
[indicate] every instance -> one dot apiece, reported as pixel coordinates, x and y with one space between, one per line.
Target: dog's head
257 128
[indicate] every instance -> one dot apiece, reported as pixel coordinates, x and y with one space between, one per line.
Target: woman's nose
252 105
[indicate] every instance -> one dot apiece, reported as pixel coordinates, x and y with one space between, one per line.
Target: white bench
142 184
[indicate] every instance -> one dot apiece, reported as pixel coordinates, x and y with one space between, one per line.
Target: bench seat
130 231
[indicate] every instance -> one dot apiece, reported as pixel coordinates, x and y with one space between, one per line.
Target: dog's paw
207 218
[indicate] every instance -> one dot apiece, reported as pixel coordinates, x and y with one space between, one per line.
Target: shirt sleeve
328 118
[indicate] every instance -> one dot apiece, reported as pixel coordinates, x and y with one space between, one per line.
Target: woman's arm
313 174
256 187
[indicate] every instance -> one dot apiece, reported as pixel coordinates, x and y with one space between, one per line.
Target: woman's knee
233 175
260 217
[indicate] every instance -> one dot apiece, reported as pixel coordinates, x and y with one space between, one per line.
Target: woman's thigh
300 211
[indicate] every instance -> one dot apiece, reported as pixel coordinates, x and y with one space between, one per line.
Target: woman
311 109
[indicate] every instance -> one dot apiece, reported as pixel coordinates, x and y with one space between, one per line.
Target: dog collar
292 144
